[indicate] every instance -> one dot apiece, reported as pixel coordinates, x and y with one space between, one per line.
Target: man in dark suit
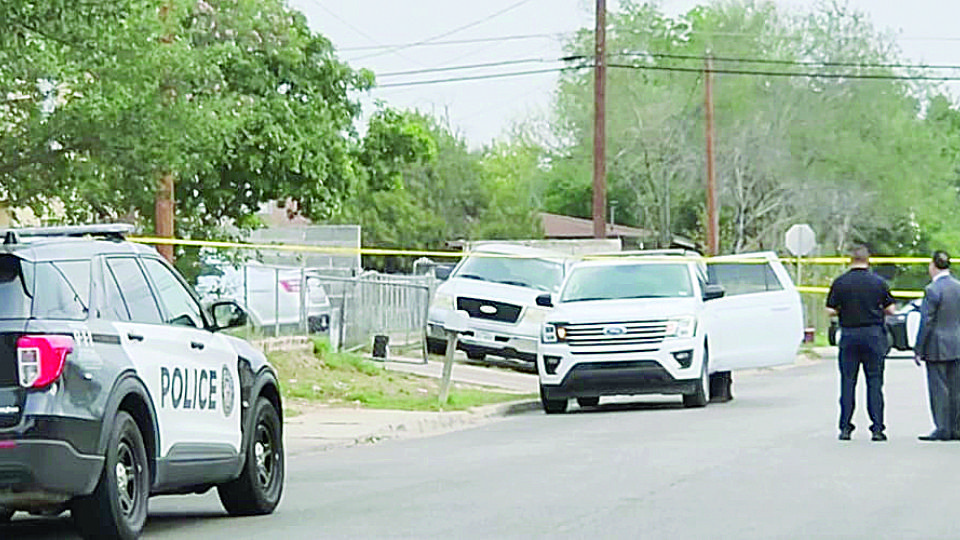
938 344
861 298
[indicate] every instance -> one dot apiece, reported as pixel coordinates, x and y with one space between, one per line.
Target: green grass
349 380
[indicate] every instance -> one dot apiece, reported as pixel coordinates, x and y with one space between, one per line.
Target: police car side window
114 308
55 297
136 293
179 306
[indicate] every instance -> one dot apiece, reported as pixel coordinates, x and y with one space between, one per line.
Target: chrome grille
616 337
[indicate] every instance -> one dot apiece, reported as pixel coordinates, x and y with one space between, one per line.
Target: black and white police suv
116 385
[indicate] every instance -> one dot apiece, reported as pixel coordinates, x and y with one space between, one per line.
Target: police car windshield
16 283
520 271
624 281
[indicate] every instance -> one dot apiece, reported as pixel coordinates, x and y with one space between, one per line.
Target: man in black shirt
861 298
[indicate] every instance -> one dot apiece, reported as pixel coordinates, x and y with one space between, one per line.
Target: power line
466 66
477 77
811 75
809 63
519 37
352 27
509 8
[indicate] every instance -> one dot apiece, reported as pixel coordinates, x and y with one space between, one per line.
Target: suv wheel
700 396
257 491
552 406
436 346
117 508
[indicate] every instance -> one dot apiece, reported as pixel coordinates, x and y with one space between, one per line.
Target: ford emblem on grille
614 330
489 310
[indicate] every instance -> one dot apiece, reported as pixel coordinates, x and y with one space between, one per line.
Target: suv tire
258 488
117 508
700 396
552 406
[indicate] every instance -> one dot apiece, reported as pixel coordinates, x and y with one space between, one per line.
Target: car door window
136 294
55 297
179 307
744 278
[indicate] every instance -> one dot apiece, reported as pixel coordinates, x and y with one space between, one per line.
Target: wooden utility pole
599 126
164 211
164 205
713 220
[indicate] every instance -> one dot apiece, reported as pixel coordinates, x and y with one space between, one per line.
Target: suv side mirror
712 292
442 271
545 300
227 314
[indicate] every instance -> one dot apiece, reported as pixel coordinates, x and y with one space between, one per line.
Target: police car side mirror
712 292
227 314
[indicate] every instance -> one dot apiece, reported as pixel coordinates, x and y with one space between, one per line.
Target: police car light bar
41 359
106 230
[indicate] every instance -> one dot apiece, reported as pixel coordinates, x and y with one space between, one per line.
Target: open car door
759 321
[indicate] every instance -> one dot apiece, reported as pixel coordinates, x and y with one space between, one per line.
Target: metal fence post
276 302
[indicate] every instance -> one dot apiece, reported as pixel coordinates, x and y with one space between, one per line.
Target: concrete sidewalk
324 427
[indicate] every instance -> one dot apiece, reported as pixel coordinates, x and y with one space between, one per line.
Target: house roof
557 226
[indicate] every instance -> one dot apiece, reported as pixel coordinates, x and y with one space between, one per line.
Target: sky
391 37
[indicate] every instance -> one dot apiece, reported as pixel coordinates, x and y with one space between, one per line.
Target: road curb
416 425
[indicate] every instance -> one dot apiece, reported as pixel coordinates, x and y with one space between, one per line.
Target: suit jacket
939 337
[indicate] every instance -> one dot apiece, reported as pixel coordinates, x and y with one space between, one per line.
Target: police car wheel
257 491
117 508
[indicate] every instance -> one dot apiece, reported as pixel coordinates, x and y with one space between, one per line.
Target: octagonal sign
801 239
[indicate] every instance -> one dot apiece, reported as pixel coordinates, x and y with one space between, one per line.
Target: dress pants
862 346
943 383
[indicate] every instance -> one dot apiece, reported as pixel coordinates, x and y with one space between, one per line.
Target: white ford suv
663 323
497 285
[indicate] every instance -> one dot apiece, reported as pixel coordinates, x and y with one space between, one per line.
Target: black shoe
878 436
935 436
845 434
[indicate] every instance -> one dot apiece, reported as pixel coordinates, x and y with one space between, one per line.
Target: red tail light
40 359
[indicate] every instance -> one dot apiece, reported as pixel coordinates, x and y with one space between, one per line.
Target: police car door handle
196 345
134 337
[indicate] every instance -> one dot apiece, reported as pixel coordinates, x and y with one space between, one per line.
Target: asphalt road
767 465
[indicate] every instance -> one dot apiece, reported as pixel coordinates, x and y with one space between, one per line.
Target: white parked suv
663 323
497 285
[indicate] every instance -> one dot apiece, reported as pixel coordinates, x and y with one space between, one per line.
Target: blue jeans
866 346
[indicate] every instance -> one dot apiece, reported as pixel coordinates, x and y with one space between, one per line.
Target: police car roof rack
106 231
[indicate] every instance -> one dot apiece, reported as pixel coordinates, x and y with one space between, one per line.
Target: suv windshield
524 272
621 281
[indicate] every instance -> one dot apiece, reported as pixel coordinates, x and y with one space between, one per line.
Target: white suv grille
616 337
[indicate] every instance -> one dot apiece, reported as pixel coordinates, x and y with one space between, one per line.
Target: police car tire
100 515
247 495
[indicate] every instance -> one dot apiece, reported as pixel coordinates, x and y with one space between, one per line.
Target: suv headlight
549 334
682 327
552 333
443 301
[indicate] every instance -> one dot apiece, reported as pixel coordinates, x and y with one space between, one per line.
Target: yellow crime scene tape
153 240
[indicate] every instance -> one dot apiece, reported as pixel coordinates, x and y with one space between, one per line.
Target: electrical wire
477 77
448 33
808 63
466 66
521 37
812 75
